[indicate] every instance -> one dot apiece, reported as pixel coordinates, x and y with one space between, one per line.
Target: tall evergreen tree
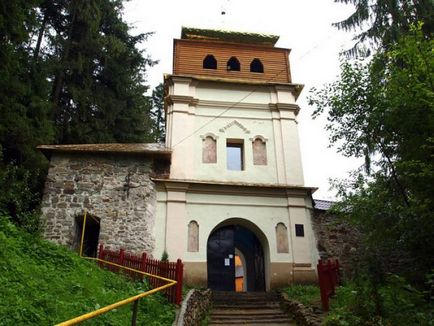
157 113
98 89
381 22
24 111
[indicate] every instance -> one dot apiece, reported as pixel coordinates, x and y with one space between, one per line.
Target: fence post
322 285
121 257
143 265
101 254
134 317
178 278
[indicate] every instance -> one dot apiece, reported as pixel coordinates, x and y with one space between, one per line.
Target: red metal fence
328 277
165 269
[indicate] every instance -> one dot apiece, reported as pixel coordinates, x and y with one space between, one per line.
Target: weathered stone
79 181
194 307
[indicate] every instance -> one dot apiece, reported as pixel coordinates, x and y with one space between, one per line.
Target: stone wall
113 188
194 308
336 239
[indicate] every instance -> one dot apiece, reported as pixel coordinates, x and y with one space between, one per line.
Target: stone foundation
113 188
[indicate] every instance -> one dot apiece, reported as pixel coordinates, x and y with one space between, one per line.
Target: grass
308 295
44 284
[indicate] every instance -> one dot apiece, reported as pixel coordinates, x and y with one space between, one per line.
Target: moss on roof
228 36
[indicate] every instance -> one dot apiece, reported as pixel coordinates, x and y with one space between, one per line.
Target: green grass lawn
308 295
44 284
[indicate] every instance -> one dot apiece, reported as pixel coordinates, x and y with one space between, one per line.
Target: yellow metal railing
134 299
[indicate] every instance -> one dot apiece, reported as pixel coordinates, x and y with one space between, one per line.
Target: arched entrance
221 247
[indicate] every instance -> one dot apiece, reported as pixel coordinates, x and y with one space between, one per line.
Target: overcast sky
303 26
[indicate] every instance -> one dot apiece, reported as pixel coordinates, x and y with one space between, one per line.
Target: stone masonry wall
336 239
115 189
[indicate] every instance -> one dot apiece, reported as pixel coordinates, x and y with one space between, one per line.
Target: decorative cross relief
234 123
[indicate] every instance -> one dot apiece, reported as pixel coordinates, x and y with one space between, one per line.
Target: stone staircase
247 308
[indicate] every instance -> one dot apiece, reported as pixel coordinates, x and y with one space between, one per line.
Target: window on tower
256 66
235 154
233 64
209 62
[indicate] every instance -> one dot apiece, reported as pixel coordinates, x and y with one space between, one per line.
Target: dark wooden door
221 259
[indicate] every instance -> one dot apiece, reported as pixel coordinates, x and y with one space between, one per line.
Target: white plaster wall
213 107
209 210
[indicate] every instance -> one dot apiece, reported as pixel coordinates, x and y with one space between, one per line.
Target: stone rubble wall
194 307
303 315
336 239
117 190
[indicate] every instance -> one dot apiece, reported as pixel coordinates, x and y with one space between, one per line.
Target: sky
304 26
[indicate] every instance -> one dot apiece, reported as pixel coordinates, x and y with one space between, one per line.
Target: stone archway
250 241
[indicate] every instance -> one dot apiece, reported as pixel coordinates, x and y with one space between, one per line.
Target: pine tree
157 113
381 22
24 111
98 89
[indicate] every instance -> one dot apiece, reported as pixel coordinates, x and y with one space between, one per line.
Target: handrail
121 303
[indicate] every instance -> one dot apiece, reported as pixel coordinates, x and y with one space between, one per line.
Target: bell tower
231 111
236 184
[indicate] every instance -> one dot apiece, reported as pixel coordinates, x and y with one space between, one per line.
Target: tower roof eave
297 88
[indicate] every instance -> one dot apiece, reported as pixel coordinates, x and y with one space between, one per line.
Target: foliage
157 113
381 22
384 111
306 294
71 72
43 284
165 256
394 303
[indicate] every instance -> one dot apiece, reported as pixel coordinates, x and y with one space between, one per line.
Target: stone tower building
234 191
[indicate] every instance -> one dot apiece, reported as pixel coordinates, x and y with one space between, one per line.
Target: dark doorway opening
221 259
91 235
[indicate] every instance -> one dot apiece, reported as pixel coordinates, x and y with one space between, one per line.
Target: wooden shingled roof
228 36
154 149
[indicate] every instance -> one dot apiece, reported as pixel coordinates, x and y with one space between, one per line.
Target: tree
157 113
384 111
98 89
24 112
381 22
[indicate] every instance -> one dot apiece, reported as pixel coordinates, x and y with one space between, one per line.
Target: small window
299 230
209 62
209 150
259 152
233 64
235 154
256 66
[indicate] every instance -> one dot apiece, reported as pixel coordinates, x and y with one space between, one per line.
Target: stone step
240 311
245 305
253 315
248 308
291 323
277 321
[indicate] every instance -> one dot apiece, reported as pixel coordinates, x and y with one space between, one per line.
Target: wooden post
101 254
179 276
134 317
143 264
323 285
121 257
